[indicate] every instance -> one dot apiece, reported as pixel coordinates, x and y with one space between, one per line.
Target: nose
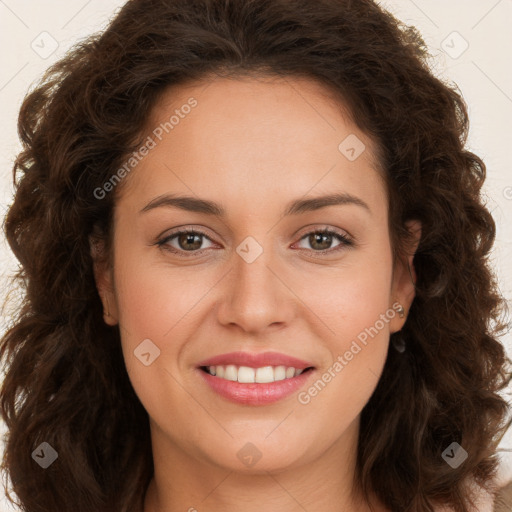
256 296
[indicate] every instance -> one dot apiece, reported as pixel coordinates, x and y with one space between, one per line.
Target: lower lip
253 393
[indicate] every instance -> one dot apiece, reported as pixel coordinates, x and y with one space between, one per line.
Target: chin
257 457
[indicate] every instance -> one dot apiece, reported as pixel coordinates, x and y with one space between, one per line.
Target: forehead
260 101
255 136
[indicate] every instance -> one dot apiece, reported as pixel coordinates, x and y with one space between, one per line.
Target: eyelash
344 239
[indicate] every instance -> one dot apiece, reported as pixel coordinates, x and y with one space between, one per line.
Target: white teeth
248 375
231 372
263 375
290 372
280 373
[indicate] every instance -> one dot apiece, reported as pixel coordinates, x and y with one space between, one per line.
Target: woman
255 264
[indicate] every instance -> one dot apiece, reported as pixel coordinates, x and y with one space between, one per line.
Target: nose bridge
255 297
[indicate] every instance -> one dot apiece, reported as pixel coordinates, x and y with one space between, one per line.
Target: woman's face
259 278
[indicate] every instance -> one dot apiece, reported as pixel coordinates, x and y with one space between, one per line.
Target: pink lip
254 393
256 360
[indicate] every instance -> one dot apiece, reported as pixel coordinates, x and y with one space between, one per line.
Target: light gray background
30 29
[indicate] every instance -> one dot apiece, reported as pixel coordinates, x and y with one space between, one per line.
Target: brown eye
322 240
189 241
184 241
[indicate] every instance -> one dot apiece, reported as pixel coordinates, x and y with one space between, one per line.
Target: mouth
249 378
248 386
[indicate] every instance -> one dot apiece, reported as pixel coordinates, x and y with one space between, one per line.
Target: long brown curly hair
66 383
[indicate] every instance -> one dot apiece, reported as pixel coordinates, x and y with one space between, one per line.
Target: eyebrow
295 207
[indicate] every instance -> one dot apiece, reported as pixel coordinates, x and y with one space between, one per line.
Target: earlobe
108 318
404 279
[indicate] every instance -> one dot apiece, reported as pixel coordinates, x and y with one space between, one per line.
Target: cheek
348 298
156 305
151 306
155 300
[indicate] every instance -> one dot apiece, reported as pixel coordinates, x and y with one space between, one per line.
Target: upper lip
256 360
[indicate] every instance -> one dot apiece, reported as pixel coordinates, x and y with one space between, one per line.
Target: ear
404 279
104 279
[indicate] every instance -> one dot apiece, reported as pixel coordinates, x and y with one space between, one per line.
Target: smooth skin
253 145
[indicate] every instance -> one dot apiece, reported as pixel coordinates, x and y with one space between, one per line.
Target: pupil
317 239
189 238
